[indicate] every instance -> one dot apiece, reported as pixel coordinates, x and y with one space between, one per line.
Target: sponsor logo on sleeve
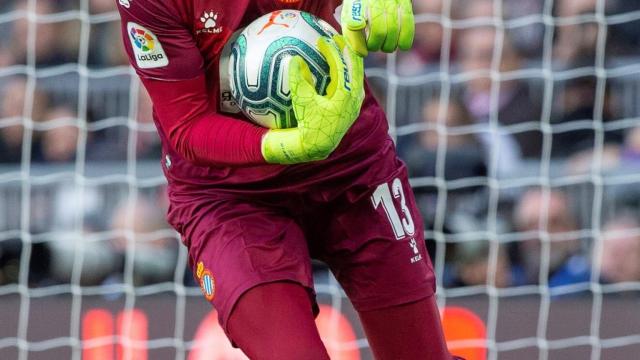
125 3
147 49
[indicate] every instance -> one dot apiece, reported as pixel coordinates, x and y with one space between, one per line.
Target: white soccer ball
259 64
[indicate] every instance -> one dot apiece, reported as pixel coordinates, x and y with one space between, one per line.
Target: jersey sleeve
165 56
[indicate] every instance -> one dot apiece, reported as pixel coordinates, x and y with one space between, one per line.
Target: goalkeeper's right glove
322 120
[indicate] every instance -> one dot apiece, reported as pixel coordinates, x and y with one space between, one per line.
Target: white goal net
519 121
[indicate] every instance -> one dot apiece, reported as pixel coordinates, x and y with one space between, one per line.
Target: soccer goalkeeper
255 205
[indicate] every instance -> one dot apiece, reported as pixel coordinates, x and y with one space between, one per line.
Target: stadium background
518 120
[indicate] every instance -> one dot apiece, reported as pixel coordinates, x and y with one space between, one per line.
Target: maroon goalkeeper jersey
175 47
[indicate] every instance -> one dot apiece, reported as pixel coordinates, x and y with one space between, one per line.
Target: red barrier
97 333
461 324
337 334
211 343
133 331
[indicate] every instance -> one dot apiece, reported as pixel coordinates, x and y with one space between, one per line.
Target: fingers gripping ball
373 25
323 120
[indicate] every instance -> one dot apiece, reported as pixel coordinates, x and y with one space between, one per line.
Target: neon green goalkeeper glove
322 120
372 25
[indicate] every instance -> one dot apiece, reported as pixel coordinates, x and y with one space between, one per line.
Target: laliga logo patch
207 282
146 47
142 40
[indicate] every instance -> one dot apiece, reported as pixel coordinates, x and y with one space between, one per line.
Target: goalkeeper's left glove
322 120
372 25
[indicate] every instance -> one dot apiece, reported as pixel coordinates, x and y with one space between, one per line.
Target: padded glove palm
322 120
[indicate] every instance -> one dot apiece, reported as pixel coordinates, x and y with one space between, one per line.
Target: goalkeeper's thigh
275 322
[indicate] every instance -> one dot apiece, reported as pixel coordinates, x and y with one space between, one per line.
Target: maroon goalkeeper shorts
366 227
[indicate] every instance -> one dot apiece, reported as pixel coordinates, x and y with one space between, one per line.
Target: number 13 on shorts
402 223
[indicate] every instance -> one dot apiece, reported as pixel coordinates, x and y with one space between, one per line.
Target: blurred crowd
525 100
522 92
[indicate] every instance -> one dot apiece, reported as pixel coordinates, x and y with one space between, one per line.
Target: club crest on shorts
207 282
199 270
